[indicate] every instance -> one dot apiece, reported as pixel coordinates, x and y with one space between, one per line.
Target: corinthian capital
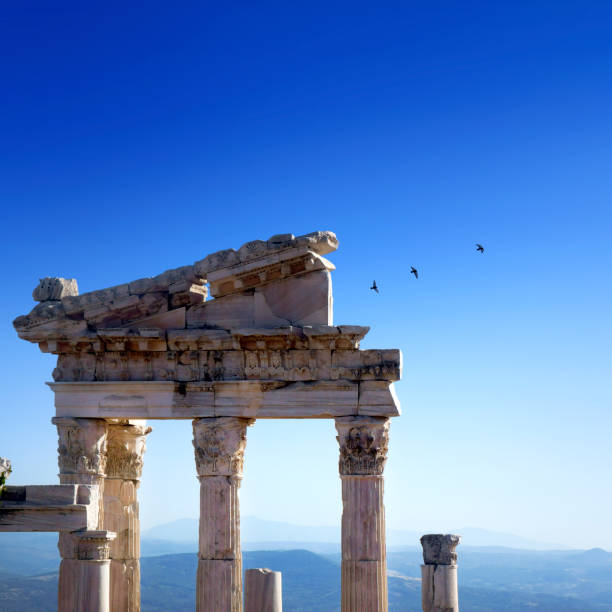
363 443
126 445
219 445
82 445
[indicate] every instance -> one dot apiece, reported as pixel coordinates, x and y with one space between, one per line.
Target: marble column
82 460
126 445
439 592
84 577
363 452
263 590
219 445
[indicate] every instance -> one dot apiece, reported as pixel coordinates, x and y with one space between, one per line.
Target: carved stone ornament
86 545
363 444
126 445
439 549
219 445
82 445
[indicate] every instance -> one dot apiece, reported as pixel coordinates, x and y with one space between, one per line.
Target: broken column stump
439 573
263 591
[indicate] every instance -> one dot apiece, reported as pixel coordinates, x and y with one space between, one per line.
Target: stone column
126 444
82 452
363 452
439 573
219 445
84 577
263 591
82 460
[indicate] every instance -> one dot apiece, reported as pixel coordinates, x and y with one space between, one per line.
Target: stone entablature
264 346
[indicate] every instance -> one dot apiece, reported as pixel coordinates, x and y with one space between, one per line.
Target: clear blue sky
136 137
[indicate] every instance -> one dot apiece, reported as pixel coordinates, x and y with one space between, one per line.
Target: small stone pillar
84 577
126 445
263 591
219 445
363 452
439 573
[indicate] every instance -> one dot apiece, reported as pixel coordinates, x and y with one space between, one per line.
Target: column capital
439 549
86 545
219 444
82 445
364 443
126 445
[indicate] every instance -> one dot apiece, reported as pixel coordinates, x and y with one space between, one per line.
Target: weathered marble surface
49 508
363 442
439 589
251 399
219 445
126 445
263 591
255 265
84 575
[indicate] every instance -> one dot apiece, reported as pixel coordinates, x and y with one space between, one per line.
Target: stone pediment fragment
259 277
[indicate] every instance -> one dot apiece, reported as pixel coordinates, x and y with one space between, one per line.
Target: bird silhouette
414 271
479 248
374 287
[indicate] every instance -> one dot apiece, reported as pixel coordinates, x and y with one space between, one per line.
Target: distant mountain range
498 581
286 535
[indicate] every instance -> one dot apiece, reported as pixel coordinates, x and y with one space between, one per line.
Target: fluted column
219 445
84 571
363 452
126 445
82 460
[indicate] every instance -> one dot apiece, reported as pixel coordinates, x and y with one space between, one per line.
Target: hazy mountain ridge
254 529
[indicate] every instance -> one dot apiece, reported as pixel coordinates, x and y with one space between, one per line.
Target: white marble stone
263 591
439 589
219 445
49 508
363 444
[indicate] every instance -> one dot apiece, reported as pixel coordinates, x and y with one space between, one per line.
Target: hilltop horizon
257 530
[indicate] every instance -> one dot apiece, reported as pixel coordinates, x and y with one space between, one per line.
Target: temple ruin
262 346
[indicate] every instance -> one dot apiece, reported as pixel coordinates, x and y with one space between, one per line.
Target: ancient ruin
263 346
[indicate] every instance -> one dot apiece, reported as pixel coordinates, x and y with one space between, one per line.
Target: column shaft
84 578
219 445
363 451
364 566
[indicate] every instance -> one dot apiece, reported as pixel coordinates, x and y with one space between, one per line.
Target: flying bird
479 248
414 271
374 287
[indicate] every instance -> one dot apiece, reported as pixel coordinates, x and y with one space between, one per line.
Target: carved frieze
126 445
364 443
219 445
82 445
263 363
